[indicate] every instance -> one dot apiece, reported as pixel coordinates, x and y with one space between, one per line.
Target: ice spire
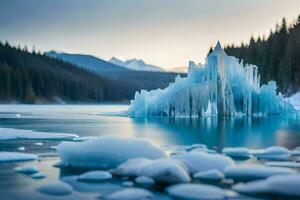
218 49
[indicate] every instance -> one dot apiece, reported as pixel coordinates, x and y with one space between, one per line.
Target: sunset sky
167 33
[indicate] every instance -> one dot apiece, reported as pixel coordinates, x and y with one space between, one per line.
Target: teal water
88 120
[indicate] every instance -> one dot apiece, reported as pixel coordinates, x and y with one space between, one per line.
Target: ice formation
253 172
223 86
56 189
277 185
201 161
106 152
94 176
16 156
17 134
192 191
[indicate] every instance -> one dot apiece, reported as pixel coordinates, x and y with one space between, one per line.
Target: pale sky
167 33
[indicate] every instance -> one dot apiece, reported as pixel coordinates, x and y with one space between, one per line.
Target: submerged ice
223 86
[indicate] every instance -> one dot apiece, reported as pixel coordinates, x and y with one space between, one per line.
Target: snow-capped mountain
135 64
89 62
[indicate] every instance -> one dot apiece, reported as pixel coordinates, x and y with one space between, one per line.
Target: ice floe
27 170
57 189
106 152
210 175
273 153
287 185
94 176
16 156
201 161
252 172
189 191
131 194
289 164
239 153
38 175
144 180
15 134
128 183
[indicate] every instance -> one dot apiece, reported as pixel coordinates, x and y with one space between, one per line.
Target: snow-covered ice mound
94 176
286 185
15 134
132 167
16 156
273 153
189 191
57 189
166 171
144 180
38 175
210 175
106 152
131 194
223 86
27 170
239 153
290 164
201 161
252 172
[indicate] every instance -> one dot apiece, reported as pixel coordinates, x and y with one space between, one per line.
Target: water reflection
223 132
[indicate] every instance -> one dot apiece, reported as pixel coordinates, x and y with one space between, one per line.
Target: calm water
87 120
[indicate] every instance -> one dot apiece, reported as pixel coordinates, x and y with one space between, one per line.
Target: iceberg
223 87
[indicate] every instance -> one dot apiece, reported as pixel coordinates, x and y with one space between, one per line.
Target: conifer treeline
277 57
32 77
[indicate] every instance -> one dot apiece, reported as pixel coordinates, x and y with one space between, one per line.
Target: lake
89 120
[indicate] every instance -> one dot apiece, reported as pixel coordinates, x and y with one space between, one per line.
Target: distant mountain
88 62
148 77
27 77
135 64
